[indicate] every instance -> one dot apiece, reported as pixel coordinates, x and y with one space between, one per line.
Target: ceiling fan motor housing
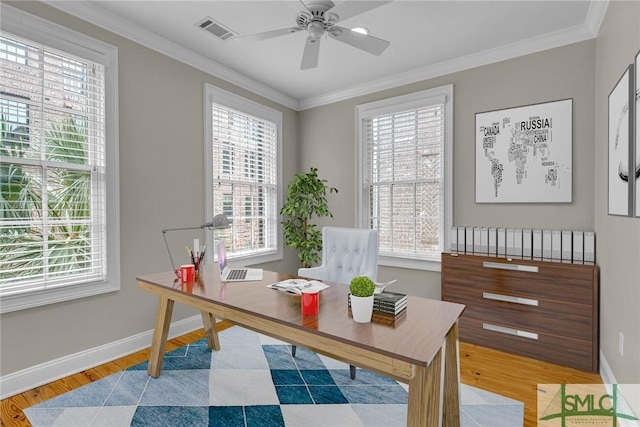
316 21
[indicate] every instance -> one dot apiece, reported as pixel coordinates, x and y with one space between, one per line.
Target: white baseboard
605 371
44 373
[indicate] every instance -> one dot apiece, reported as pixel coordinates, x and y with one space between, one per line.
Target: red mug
187 272
310 302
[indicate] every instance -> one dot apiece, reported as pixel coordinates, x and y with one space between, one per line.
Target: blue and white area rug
253 382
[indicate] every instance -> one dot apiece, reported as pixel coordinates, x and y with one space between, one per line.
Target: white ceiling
428 38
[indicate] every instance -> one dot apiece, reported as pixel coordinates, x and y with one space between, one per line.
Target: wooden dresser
541 309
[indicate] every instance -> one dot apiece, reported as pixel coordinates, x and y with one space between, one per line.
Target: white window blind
244 166
52 178
403 175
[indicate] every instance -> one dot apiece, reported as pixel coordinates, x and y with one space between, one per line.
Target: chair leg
293 350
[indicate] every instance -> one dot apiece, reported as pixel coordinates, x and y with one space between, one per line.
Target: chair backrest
349 252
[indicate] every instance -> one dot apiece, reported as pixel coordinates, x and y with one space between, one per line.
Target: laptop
238 274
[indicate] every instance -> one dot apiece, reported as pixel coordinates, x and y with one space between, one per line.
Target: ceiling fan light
316 30
361 30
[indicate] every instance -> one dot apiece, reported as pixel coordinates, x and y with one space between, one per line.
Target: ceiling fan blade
310 54
349 9
268 34
361 41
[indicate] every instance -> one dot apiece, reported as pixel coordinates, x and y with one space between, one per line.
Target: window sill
256 258
9 303
414 264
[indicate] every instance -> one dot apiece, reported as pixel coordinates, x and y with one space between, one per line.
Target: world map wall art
523 154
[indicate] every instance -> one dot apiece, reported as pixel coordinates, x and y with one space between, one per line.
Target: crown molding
595 15
102 18
123 27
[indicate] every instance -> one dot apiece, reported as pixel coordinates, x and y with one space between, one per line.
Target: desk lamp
219 221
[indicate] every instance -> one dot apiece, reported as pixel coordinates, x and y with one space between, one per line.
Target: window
58 176
250 166
227 206
243 178
226 159
404 175
248 208
14 116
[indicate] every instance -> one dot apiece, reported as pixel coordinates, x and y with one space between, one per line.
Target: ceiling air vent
214 27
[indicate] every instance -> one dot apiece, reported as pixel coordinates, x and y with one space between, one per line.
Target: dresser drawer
561 350
524 278
539 315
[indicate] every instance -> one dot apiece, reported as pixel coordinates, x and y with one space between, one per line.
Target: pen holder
196 268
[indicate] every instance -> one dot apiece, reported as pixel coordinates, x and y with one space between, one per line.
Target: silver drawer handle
510 298
516 267
510 331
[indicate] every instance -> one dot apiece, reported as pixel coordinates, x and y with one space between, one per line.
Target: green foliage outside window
26 249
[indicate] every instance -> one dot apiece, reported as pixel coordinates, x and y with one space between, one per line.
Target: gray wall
328 142
618 239
161 156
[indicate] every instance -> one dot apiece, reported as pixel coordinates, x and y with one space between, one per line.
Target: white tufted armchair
346 253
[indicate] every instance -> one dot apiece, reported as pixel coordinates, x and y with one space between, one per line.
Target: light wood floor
503 373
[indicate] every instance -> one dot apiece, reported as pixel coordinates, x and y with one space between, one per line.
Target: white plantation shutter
53 175
245 176
403 175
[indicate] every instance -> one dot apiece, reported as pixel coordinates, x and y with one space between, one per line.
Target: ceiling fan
320 17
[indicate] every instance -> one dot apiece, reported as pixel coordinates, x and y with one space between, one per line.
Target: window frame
220 96
394 105
38 30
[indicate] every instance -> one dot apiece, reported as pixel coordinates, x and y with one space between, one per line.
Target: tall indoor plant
306 197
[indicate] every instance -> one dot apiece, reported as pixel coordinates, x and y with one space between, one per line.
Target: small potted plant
362 289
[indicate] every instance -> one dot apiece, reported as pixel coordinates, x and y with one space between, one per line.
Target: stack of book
392 320
388 302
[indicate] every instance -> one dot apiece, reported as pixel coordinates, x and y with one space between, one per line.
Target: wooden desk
420 350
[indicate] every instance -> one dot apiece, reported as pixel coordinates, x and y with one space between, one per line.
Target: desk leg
425 391
160 333
210 332
451 409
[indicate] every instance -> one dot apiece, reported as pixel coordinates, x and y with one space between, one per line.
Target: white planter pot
362 308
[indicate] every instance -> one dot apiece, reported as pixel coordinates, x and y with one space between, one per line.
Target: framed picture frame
620 186
636 125
524 154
